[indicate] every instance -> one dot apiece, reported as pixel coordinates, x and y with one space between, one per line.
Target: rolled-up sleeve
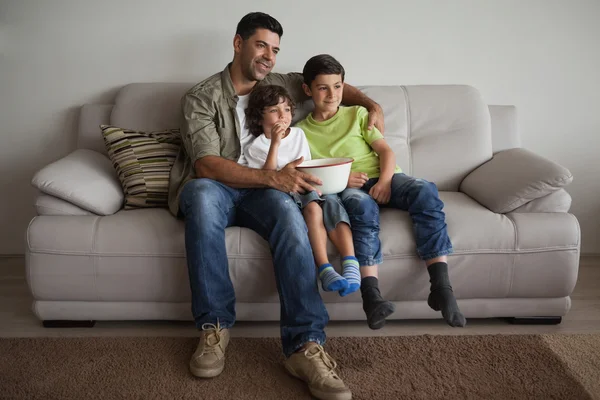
198 131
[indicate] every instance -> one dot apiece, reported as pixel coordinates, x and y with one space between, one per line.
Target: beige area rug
408 367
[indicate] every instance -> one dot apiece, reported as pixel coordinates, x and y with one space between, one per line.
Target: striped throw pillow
143 162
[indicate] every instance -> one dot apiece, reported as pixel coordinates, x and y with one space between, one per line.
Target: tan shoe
208 360
315 367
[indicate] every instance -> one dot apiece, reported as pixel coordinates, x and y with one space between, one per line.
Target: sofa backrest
438 132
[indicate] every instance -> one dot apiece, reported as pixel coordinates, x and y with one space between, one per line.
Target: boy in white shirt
268 117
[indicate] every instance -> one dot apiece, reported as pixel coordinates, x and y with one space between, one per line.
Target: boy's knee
313 212
356 200
362 205
426 193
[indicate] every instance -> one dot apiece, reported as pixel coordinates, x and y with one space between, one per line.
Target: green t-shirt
345 135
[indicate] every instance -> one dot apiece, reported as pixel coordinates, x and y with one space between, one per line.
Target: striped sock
331 280
351 272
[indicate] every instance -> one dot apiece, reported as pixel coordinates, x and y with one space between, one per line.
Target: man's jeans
209 207
417 196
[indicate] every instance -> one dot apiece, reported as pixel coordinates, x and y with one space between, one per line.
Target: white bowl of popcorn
333 172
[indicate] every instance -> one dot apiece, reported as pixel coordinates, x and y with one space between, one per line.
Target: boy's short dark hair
323 64
264 96
257 20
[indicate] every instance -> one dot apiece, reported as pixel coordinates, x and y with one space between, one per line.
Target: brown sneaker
315 367
208 360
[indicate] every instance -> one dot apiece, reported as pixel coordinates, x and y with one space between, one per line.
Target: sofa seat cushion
143 162
156 233
139 255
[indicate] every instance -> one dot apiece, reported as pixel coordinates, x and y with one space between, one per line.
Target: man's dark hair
257 20
323 64
264 96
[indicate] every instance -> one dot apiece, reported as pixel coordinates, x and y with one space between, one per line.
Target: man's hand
381 192
356 180
376 118
289 179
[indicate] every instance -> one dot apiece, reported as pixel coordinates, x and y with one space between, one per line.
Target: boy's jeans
209 207
417 196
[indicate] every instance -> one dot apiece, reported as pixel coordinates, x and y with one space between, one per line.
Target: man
212 188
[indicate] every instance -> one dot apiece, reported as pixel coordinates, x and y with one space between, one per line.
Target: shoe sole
383 311
206 373
317 393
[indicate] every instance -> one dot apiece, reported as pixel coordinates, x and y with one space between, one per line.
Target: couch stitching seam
265 257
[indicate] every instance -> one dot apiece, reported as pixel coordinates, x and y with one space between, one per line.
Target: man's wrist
268 177
373 106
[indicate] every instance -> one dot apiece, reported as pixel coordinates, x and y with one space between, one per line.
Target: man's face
326 92
257 53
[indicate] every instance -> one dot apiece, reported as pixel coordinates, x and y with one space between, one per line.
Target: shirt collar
227 84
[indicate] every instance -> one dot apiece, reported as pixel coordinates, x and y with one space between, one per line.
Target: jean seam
295 348
246 210
435 254
371 261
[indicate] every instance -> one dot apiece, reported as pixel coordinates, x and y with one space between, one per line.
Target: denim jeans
208 208
333 209
421 199
363 212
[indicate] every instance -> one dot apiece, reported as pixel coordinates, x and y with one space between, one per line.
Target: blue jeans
421 199
363 212
333 209
208 208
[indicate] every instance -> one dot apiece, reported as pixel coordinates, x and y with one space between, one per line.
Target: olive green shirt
211 127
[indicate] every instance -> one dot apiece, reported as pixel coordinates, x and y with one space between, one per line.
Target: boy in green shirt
334 131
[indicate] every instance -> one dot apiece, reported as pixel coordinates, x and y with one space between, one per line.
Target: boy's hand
277 133
376 118
290 180
381 192
356 180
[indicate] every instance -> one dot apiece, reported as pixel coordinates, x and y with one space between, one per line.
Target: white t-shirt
246 137
292 147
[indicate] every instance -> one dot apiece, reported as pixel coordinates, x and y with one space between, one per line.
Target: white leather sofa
516 246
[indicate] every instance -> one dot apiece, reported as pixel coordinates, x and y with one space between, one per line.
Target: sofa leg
64 323
534 320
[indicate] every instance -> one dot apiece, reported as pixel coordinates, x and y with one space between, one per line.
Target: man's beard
253 75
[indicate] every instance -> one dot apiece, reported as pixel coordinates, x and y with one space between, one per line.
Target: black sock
442 297
376 308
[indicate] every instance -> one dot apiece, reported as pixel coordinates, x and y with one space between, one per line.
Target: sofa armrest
557 202
513 178
50 205
84 178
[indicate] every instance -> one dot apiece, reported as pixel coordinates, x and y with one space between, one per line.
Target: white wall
541 55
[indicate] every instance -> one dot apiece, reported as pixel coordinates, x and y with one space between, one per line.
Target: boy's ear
306 90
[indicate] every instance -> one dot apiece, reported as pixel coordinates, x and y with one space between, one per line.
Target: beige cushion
84 178
86 258
50 205
143 162
559 201
512 178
